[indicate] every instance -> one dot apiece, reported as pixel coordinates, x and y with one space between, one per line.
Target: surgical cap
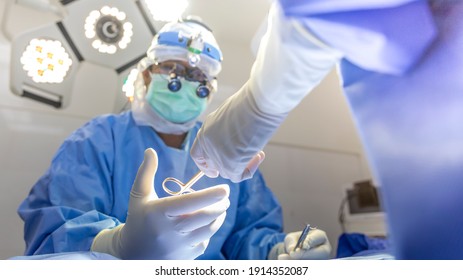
187 40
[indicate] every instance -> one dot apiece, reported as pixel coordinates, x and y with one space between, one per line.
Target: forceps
183 187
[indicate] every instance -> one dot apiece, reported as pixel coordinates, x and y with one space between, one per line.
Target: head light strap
194 45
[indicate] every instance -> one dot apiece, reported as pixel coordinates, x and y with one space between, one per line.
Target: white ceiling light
108 29
46 61
162 10
88 31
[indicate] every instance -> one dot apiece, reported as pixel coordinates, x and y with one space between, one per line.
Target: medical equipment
175 85
107 38
301 239
183 187
313 244
176 70
188 40
179 107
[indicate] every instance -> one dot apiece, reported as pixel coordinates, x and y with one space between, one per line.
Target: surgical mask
177 107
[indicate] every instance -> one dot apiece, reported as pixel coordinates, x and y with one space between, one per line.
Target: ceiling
234 24
232 21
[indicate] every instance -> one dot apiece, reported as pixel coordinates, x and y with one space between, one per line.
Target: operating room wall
313 155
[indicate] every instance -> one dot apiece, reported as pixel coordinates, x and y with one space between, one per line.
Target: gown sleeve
68 205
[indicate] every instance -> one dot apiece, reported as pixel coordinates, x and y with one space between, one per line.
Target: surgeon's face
176 92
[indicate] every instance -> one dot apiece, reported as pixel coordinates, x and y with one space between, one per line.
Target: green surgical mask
177 107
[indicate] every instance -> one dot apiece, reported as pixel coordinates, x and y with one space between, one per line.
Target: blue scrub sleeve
64 210
350 244
259 222
412 132
364 32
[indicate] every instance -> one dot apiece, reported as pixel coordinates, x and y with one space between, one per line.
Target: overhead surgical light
50 62
162 10
108 29
43 66
46 61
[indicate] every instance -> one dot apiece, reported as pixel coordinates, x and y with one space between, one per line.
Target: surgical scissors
183 187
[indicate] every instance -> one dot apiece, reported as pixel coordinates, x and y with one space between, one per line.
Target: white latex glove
177 227
290 63
316 246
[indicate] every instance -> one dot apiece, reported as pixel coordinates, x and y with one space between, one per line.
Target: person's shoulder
109 120
112 118
99 125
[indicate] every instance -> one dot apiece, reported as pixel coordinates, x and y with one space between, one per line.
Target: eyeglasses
171 67
175 70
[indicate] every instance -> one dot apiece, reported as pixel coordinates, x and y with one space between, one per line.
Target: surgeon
103 190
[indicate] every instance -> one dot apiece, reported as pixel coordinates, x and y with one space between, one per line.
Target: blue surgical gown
86 189
402 77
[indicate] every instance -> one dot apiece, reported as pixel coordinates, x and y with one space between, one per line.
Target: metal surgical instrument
301 239
183 187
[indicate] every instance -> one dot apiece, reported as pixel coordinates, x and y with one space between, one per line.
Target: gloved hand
177 227
290 63
316 246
